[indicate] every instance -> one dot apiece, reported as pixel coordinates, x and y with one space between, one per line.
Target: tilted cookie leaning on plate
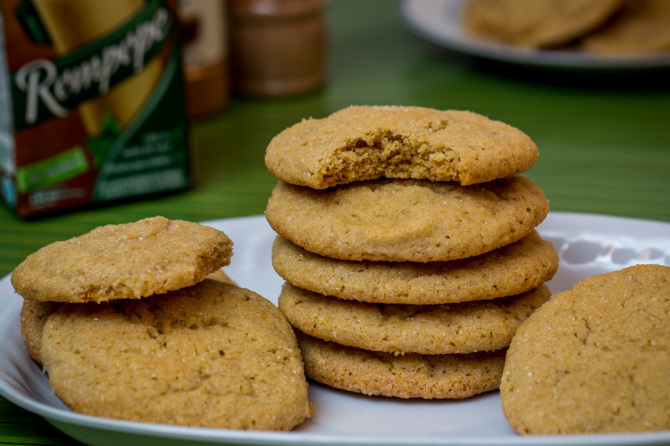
137 322
406 236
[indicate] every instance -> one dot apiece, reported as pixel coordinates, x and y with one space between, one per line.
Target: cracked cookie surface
368 142
210 355
594 359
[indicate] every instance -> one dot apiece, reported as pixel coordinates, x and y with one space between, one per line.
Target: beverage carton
92 103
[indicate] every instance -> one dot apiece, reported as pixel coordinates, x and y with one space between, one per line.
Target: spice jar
278 47
205 52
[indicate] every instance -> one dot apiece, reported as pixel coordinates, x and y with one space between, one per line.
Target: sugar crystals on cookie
125 261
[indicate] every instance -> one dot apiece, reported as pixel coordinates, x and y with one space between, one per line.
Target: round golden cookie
366 142
407 376
210 355
643 26
594 359
535 23
506 271
426 329
407 220
34 314
126 261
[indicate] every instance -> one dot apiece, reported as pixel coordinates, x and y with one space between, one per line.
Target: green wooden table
604 140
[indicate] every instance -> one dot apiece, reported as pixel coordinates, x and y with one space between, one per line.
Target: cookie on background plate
407 376
643 26
506 271
407 220
594 359
535 23
126 261
361 143
210 355
398 329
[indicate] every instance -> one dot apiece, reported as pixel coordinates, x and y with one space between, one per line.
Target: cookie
126 261
594 359
34 314
210 355
535 23
426 329
407 220
365 143
407 376
506 271
642 26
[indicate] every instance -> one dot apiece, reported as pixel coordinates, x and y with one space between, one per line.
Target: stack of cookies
407 241
137 322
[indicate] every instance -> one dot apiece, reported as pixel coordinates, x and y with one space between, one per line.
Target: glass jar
278 47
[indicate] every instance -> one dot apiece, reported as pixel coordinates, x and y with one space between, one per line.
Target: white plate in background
439 21
587 245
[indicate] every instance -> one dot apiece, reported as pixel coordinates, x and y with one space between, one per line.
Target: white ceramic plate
439 22
587 245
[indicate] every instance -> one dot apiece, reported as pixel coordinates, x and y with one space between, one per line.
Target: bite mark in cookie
365 143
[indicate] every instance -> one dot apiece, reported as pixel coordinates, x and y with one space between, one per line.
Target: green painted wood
604 140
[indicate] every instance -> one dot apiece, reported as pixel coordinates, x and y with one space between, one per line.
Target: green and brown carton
92 103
